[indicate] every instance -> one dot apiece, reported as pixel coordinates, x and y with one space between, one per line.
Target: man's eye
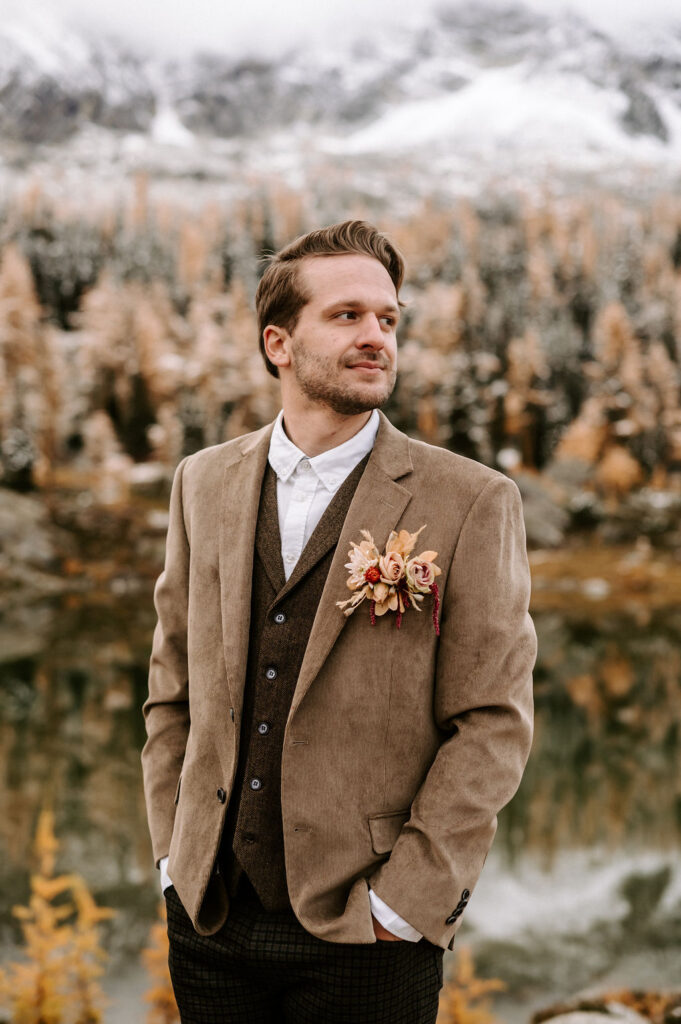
347 313
389 320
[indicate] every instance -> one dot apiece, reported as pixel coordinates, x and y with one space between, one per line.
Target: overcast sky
175 26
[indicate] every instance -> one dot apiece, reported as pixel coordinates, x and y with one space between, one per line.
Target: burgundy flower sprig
392 581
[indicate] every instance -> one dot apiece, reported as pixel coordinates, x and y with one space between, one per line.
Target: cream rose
391 566
420 575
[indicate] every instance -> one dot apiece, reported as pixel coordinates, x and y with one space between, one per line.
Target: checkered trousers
263 967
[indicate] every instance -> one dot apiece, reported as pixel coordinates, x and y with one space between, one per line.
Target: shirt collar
331 466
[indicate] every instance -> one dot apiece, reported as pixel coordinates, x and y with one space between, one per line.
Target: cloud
268 27
259 26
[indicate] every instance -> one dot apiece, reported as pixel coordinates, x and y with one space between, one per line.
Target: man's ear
277 342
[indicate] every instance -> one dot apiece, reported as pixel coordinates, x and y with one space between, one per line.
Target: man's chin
356 403
347 398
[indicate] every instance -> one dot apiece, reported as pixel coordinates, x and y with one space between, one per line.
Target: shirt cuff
391 921
166 880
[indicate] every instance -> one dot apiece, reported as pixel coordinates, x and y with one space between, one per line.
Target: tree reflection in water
604 772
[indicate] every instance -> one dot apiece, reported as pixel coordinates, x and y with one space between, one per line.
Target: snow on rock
581 889
167 129
457 89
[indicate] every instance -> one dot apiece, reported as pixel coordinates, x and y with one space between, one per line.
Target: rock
571 473
596 589
149 479
157 520
646 511
612 1013
573 477
25 632
31 564
545 519
615 1008
642 116
643 892
28 536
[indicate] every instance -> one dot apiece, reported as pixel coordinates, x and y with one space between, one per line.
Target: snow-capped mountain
54 80
466 83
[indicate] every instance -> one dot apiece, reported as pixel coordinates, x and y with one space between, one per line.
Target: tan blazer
400 748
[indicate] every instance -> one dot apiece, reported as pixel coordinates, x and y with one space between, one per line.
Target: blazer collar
267 537
390 452
330 466
377 505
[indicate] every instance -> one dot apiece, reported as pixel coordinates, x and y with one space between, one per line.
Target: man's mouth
366 365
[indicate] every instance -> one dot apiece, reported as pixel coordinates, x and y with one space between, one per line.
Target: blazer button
280 618
451 919
221 795
271 672
465 894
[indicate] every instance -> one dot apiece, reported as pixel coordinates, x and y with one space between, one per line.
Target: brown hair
280 295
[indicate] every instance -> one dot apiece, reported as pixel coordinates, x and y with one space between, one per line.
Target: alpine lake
581 892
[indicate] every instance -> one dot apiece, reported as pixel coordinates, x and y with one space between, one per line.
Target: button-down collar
332 466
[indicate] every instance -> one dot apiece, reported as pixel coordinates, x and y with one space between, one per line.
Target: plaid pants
263 967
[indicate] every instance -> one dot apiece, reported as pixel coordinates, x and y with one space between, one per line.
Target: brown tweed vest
282 613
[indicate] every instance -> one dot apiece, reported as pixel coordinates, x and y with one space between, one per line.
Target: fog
173 27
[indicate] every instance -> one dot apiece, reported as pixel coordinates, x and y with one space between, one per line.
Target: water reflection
604 770
70 736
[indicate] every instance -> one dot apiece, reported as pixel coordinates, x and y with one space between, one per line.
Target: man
322 788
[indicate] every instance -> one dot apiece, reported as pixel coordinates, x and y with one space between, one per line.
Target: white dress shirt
305 486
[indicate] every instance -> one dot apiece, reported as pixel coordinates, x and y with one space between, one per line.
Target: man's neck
317 430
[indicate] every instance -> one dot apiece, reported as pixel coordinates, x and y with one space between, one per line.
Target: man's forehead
343 269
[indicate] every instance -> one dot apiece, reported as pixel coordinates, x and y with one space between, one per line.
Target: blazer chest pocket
385 828
177 790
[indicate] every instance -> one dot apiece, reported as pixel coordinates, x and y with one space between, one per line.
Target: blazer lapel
267 537
241 486
377 506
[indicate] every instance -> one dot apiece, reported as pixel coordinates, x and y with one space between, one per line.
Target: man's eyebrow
356 304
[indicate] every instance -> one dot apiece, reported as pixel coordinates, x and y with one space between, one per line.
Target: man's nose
372 333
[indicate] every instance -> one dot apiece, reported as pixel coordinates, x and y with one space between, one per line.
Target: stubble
319 380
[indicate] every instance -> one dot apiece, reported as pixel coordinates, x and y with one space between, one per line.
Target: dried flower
420 572
391 581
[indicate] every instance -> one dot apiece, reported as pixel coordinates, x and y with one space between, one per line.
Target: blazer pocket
385 828
177 790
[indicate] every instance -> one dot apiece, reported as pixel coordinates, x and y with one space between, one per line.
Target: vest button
263 728
279 618
221 795
256 784
271 672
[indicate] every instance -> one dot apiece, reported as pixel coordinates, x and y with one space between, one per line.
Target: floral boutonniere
392 581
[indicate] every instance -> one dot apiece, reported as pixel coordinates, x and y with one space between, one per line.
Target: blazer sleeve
483 705
166 709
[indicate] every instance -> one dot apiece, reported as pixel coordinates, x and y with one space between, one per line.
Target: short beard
314 378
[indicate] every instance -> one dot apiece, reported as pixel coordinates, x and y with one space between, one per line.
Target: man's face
343 349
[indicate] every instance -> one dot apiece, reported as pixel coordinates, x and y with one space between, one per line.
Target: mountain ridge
481 81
